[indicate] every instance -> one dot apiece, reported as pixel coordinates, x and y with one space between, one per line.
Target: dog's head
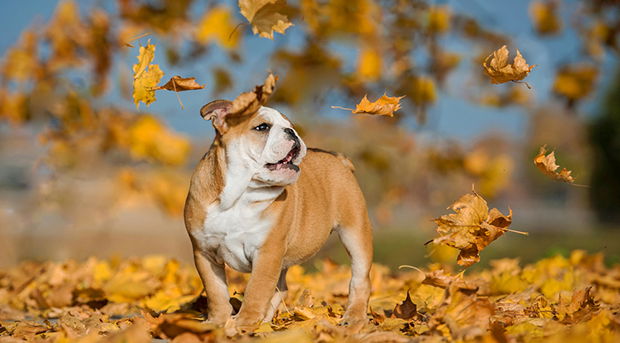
263 142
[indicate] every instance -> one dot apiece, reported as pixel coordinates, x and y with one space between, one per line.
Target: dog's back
337 203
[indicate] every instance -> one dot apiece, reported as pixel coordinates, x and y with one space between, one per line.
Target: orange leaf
384 106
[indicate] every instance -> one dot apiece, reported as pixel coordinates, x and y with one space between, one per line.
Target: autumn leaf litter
137 299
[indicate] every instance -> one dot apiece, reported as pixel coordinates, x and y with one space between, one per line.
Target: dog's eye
262 127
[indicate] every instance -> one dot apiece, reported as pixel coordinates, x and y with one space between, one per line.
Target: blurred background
84 172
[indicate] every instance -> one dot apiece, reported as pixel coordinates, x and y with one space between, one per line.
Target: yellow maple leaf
217 25
471 228
497 68
546 164
146 76
265 16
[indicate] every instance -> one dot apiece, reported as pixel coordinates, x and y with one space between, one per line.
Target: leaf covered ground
574 299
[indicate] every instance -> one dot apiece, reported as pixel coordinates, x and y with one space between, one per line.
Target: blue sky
452 116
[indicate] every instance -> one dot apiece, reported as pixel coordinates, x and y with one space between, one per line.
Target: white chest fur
234 235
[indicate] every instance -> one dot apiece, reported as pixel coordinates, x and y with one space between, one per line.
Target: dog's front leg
266 270
214 281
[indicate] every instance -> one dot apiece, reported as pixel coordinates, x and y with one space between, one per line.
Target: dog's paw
354 323
241 324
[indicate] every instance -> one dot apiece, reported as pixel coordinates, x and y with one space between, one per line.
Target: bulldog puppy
259 201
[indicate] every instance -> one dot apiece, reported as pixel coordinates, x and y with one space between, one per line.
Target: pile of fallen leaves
135 300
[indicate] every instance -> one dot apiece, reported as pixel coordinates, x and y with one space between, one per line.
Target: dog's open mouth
286 162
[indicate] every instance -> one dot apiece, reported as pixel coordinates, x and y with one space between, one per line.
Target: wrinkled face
268 145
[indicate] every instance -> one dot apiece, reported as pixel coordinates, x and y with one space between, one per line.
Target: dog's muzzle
287 161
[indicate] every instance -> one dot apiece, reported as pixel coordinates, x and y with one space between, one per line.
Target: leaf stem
342 108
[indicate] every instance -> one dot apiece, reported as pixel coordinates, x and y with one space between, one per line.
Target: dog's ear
216 112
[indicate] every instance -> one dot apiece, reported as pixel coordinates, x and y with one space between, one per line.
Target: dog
260 201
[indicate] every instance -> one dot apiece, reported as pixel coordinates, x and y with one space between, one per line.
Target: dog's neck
237 178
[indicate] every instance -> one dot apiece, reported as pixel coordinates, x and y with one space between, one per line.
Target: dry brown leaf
497 68
265 16
471 228
405 310
249 102
546 164
180 84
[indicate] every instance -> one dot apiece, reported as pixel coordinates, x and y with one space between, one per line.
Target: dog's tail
340 156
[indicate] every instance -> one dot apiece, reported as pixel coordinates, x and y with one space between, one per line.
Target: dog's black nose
290 132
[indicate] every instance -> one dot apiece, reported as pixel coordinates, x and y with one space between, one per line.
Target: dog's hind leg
278 297
357 240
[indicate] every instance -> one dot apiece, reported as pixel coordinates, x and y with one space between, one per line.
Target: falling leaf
369 64
423 91
575 81
471 228
249 102
266 16
497 68
545 18
217 25
146 76
546 164
179 84
384 106
439 19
